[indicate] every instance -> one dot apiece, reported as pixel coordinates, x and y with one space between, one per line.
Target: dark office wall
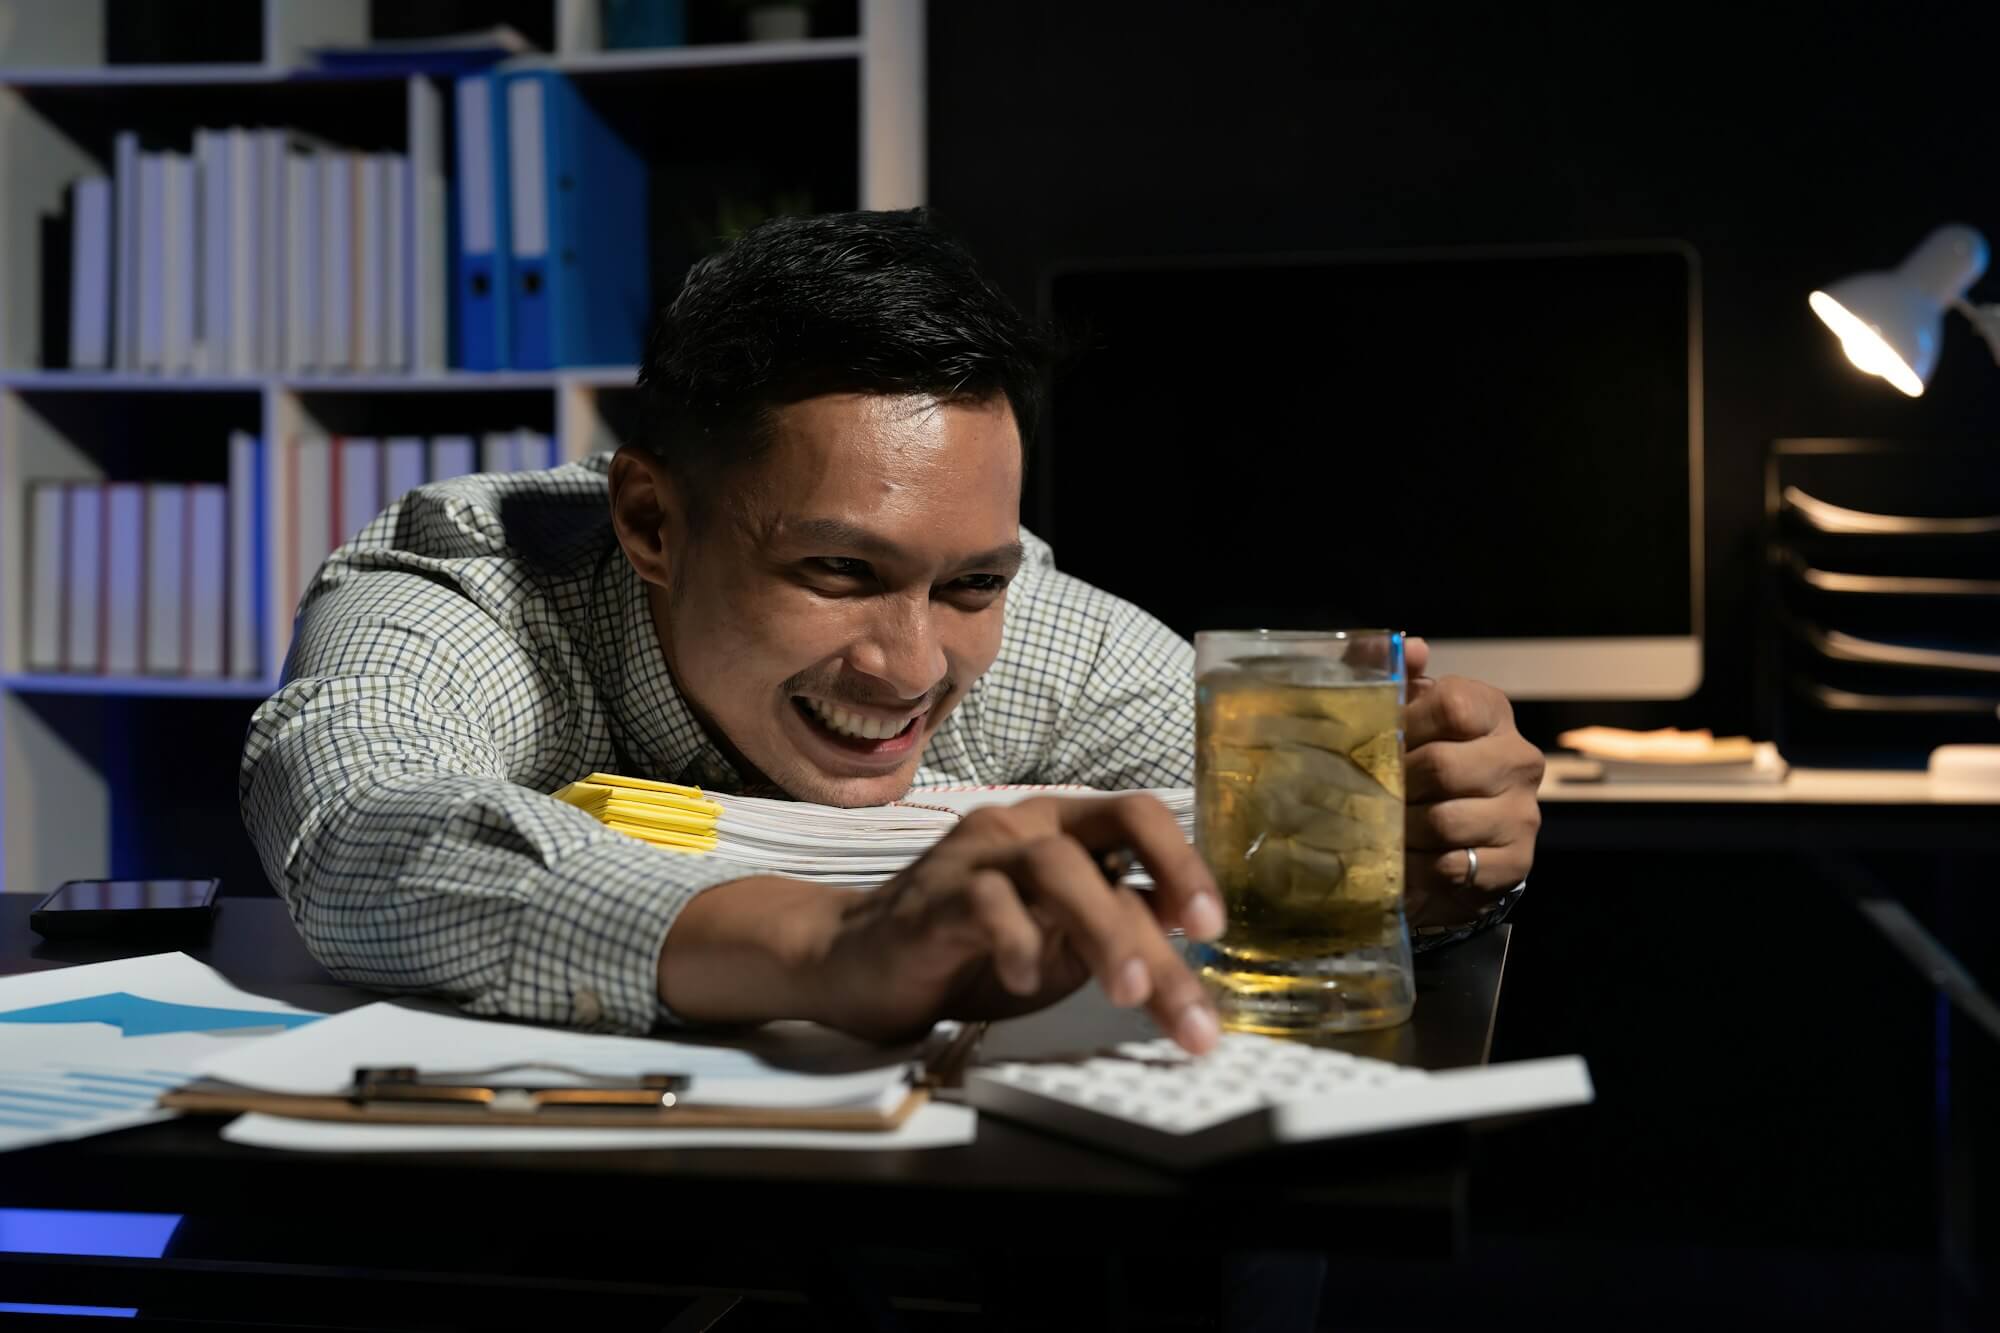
1788 149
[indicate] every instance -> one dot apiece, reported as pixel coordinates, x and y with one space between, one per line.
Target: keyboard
1150 1099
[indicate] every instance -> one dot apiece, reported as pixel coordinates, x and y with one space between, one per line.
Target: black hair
868 302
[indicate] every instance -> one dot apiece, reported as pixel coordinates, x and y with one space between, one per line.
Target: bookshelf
135 775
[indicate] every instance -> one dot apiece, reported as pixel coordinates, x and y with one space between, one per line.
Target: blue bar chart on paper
86 1050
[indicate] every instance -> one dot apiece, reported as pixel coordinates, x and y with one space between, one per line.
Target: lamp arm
1985 318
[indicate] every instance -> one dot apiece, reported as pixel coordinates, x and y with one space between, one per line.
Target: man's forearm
746 951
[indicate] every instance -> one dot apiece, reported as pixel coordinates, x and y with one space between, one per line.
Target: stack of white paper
863 847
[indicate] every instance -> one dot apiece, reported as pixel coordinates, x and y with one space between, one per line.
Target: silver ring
1471 869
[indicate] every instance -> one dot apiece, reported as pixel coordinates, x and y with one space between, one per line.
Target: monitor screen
1476 446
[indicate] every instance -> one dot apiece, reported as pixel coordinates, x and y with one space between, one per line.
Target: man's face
846 590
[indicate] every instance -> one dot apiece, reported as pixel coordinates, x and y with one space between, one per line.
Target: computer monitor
1499 449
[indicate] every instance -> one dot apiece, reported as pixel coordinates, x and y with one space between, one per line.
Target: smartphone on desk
161 908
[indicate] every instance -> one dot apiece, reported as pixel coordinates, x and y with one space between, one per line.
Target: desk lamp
1890 323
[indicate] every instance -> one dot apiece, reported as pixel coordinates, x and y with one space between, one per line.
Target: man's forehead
857 435
859 470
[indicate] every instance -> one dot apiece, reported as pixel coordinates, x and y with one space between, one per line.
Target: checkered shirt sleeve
395 786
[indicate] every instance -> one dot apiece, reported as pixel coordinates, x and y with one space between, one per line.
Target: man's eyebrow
1004 559
835 534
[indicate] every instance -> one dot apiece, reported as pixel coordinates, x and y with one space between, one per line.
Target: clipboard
406 1096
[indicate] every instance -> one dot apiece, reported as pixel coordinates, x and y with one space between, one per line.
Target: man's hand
1471 780
1008 913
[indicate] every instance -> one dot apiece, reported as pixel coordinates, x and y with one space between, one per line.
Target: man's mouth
857 732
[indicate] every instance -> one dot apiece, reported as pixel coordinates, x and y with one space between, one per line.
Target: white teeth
838 719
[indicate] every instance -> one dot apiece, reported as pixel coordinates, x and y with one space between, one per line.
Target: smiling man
806 577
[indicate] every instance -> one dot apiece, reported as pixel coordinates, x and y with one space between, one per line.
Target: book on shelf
211 155
90 283
130 578
125 268
167 593
496 451
337 171
337 485
269 149
452 456
45 575
577 195
427 295
247 555
206 651
262 250
249 250
127 570
371 276
245 227
181 250
227 184
308 513
402 466
480 256
302 251
396 277
83 576
357 488
149 277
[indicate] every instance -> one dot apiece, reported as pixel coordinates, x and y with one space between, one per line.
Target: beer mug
1299 814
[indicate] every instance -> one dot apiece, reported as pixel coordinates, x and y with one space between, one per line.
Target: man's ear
648 513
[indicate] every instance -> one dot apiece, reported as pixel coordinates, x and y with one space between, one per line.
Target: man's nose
901 647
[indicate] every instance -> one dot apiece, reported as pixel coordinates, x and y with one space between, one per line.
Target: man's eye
840 567
983 582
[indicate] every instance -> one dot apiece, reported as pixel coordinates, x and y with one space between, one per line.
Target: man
807 576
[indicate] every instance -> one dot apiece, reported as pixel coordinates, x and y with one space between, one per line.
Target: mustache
817 683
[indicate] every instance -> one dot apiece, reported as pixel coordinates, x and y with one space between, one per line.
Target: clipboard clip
472 1088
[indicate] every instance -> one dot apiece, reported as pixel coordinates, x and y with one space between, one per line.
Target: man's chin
809 783
828 769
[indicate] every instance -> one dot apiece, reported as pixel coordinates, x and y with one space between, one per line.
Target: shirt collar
653 728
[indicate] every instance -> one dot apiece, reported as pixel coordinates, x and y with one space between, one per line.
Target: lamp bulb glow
1865 347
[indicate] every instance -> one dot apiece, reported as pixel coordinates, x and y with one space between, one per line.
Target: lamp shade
1890 323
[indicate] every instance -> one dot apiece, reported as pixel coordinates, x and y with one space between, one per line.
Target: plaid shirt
484 642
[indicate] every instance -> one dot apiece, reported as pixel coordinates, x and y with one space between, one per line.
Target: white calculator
1151 1099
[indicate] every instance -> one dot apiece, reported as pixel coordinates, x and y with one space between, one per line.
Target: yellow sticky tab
643 784
655 816
657 794
583 795
594 797
667 838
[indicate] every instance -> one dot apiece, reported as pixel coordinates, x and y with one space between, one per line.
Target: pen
1117 865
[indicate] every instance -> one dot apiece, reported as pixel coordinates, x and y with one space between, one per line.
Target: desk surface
1394 1194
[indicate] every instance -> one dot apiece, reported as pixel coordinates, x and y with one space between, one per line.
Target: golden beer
1299 814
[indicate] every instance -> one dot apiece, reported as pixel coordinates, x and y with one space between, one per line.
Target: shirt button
587 1008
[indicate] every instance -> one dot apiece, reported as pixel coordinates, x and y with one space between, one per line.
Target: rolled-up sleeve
395 791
